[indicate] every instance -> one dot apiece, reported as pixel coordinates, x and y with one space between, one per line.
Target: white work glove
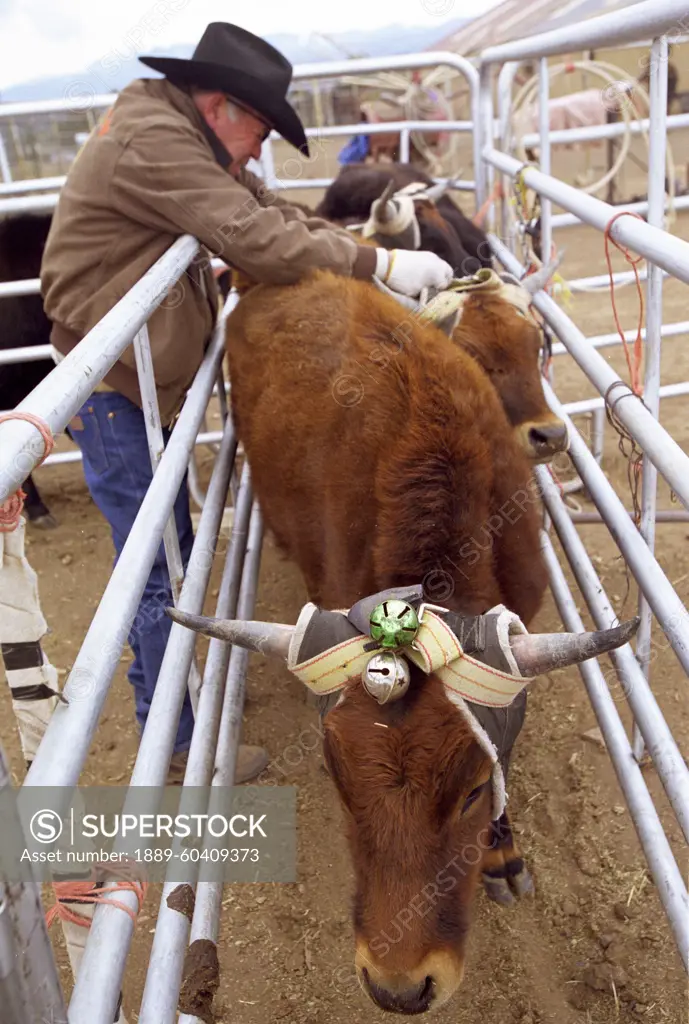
410 272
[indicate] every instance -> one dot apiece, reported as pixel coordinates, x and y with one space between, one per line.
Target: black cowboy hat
244 66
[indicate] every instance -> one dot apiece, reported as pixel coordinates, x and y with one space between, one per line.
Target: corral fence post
29 981
666 255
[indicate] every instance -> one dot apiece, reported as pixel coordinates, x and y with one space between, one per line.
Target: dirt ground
591 947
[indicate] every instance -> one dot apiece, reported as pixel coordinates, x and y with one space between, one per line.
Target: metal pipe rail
545 153
662 597
9 188
47 203
456 184
164 976
70 104
97 987
32 286
663 867
58 398
654 332
29 204
205 922
156 446
67 739
210 437
666 251
602 281
389 127
595 518
598 132
640 21
570 220
591 404
664 452
670 765
609 340
11 289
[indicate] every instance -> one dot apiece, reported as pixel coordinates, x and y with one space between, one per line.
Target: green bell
394 623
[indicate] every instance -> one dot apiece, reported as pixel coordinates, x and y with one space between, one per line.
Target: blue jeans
117 467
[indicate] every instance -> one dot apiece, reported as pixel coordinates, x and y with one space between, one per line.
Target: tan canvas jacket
153 171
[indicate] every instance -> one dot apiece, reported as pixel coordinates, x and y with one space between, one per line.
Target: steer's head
415 787
416 779
496 328
408 219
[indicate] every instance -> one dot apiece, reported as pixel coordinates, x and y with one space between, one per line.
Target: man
170 159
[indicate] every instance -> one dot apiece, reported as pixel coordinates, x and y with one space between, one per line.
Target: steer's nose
401 999
546 439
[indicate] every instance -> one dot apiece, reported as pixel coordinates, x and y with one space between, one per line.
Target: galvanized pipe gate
218 701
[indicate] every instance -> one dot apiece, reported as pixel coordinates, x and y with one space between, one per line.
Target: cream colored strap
330 671
435 649
434 645
480 683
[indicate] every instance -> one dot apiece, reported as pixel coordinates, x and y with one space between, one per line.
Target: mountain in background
299 49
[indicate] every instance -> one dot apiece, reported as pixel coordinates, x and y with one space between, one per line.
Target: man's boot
250 763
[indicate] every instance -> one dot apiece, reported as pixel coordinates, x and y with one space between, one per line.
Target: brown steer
382 456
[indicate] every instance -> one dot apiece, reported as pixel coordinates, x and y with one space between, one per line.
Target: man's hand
410 272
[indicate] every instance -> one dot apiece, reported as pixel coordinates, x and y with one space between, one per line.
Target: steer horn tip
196 622
628 629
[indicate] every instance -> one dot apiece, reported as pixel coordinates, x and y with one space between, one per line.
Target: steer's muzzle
427 986
401 998
543 439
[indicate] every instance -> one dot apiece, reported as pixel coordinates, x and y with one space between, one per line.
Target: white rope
613 76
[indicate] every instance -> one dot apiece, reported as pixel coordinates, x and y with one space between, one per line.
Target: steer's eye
473 797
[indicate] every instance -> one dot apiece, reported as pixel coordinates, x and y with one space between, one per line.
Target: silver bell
386 677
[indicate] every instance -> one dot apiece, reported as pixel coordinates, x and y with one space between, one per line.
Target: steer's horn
385 210
534 282
263 637
435 192
538 653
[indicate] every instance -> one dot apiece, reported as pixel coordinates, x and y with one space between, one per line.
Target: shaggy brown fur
405 790
393 450
382 455
511 357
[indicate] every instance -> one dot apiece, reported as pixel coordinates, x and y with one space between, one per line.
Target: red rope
11 509
634 365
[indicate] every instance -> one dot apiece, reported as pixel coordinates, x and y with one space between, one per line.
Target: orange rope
11 509
480 216
635 365
86 891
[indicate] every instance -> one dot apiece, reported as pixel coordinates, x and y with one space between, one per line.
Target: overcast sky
45 37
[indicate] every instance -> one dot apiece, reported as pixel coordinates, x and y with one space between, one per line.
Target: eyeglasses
261 134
